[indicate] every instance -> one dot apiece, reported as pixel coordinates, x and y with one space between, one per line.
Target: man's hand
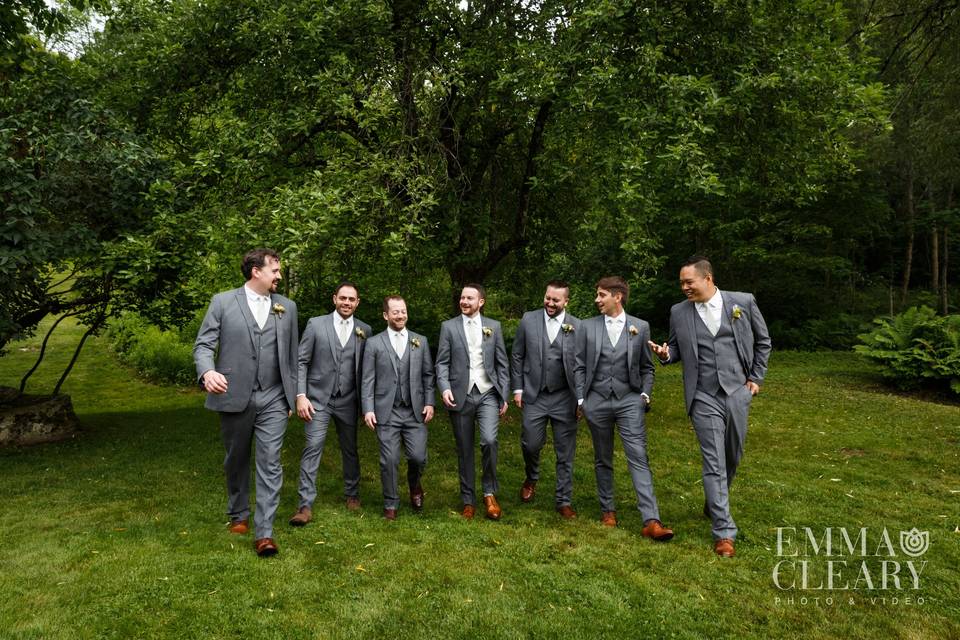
754 387
370 418
305 409
503 409
447 397
214 382
518 400
427 413
662 351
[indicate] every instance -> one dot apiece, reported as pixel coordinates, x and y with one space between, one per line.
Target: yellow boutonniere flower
487 332
359 333
737 312
633 330
415 343
279 310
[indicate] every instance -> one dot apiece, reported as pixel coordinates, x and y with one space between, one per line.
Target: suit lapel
598 338
413 360
248 320
356 347
461 332
728 306
691 321
628 322
281 327
541 335
333 340
486 344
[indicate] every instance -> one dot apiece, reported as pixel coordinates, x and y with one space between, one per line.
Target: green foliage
916 348
160 355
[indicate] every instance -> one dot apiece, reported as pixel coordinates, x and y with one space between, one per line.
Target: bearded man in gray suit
473 375
397 399
245 355
614 377
542 366
722 340
328 376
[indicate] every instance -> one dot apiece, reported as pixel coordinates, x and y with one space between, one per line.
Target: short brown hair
559 284
256 258
346 283
615 284
478 287
387 299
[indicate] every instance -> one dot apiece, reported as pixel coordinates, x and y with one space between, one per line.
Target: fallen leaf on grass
361 569
368 545
319 542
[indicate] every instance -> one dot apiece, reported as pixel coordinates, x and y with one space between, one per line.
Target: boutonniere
566 328
737 312
415 343
487 332
633 330
359 333
279 309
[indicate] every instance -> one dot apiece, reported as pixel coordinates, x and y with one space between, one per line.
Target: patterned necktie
612 330
553 328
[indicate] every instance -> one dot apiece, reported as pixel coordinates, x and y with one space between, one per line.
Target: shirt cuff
301 395
516 391
645 397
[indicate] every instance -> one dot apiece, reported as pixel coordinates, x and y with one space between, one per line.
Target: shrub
157 354
916 348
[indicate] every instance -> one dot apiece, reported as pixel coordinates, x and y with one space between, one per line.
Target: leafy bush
157 354
916 348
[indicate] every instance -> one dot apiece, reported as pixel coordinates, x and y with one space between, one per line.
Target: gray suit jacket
378 388
526 359
316 361
225 343
453 361
750 332
639 361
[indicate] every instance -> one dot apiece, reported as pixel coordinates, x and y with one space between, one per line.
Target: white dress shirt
710 312
344 325
615 326
399 341
473 327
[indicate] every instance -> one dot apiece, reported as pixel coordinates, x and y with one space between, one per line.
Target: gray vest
612 375
268 363
346 367
402 397
553 373
719 365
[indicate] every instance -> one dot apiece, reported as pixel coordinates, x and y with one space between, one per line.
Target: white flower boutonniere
359 333
415 343
487 332
737 312
633 330
279 309
566 328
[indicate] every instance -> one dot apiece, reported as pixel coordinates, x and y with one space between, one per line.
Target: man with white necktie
473 375
245 355
396 394
722 340
328 377
614 379
542 365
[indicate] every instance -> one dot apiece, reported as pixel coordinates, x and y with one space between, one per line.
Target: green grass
120 533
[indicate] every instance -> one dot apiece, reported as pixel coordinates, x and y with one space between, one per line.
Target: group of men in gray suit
255 371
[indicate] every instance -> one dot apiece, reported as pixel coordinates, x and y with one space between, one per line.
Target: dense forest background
811 149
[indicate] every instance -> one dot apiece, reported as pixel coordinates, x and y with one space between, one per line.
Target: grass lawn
120 533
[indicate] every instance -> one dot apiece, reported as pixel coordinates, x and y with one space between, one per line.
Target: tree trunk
935 258
909 207
944 255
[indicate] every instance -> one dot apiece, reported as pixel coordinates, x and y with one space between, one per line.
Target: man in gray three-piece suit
328 377
473 375
542 367
396 394
614 378
722 340
245 355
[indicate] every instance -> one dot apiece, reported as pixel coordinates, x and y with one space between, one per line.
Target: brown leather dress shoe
609 519
655 530
566 512
301 517
353 503
468 511
493 509
265 547
528 490
390 514
724 548
239 527
416 498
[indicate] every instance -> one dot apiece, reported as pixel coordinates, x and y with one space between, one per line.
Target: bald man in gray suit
723 343
246 359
